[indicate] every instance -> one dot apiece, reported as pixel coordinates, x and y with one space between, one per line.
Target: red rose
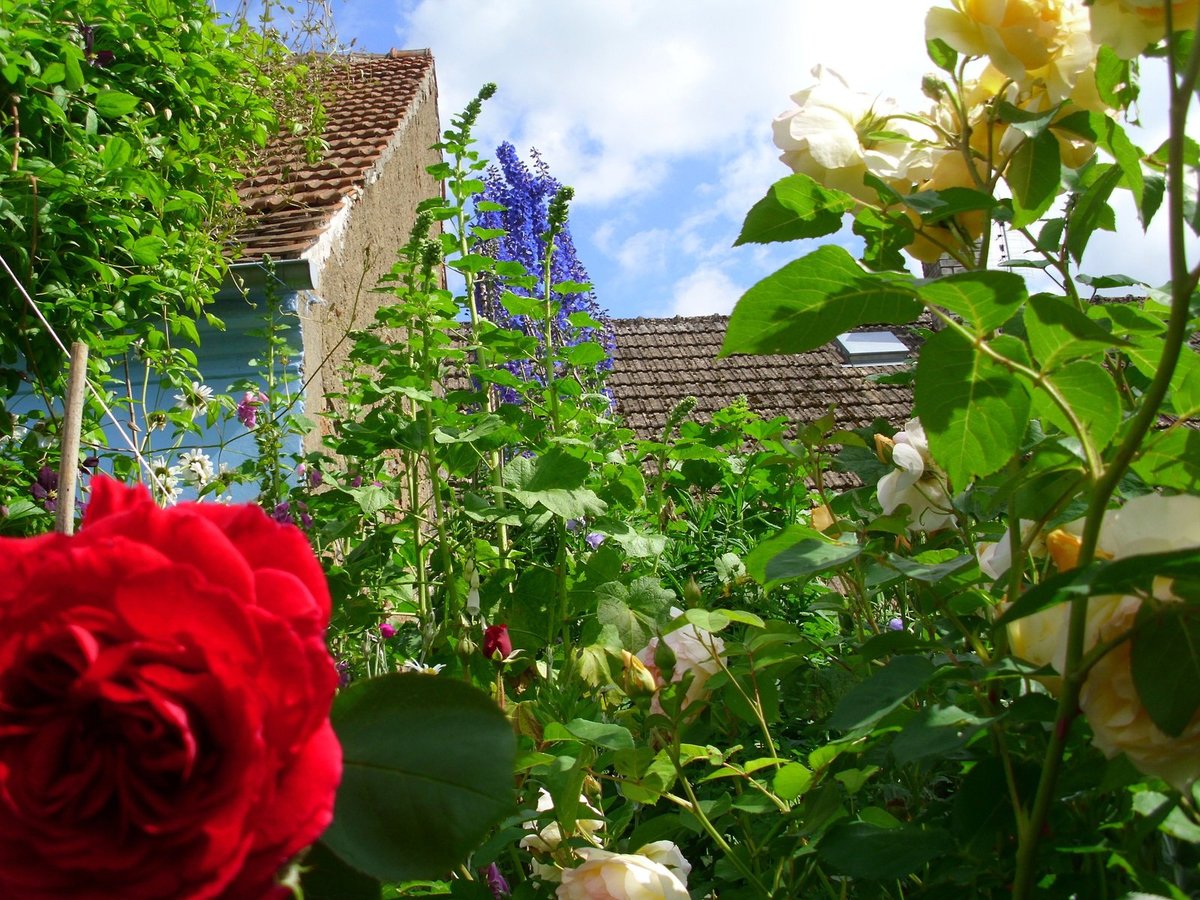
496 642
164 703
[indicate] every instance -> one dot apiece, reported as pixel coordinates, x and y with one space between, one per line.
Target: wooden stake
68 467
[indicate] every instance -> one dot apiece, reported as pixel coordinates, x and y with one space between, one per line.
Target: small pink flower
387 630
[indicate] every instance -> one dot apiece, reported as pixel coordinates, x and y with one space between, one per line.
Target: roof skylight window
871 348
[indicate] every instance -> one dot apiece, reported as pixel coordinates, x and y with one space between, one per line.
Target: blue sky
659 113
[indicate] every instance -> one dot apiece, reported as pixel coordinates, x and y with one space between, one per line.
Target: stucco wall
359 247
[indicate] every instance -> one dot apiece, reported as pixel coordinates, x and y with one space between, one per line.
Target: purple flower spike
594 539
896 624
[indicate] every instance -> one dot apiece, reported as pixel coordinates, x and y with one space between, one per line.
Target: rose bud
497 645
636 679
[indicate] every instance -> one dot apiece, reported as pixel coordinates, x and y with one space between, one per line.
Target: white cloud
707 291
611 91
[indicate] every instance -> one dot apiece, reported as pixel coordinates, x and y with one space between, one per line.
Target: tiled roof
289 201
658 362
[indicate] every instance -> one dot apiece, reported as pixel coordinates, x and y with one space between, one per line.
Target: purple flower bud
494 879
896 624
574 525
343 670
594 539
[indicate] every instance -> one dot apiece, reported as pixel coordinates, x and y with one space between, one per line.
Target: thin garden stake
68 465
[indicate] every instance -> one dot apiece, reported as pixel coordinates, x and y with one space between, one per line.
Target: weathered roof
290 201
658 362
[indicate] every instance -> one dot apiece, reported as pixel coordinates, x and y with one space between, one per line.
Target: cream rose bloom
1129 26
620 876
827 136
1120 723
696 650
916 481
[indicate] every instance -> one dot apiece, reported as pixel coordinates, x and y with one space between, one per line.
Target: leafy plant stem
1176 333
717 838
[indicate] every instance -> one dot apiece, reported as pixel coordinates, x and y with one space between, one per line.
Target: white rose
666 853
548 839
827 136
619 876
917 481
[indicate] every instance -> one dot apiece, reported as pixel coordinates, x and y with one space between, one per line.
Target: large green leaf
813 299
1165 662
635 610
862 850
986 300
797 552
1059 332
795 207
1105 131
428 765
868 702
974 410
1033 175
935 731
1089 390
1171 460
327 877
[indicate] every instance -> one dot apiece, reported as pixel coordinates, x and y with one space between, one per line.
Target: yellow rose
1120 723
1129 26
1020 37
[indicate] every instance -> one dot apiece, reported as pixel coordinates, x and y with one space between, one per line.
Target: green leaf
1113 82
635 611
611 737
1104 130
936 206
942 54
935 731
1033 176
884 238
1058 332
862 850
518 305
72 69
973 409
147 249
1089 391
887 688
427 770
791 781
986 299
115 103
116 152
795 207
1030 123
585 354
1165 662
1090 211
326 877
797 552
1118 576
1171 460
553 469
811 300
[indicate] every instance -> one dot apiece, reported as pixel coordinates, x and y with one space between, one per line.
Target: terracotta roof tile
288 200
659 362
